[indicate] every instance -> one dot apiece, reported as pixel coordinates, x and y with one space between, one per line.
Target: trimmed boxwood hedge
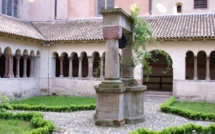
41 126
53 108
166 107
185 129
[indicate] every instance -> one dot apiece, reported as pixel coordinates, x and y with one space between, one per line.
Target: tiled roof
164 27
75 30
183 26
13 26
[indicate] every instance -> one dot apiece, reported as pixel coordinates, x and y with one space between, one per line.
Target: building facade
56 47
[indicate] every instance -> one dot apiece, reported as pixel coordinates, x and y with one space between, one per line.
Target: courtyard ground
82 122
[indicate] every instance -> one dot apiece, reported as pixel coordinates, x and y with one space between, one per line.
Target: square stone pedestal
117 104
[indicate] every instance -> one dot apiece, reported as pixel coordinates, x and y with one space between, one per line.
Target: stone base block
117 104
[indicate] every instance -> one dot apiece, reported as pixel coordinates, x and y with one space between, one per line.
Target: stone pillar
31 66
90 67
10 67
25 57
70 66
101 67
18 56
207 68
80 68
61 65
195 69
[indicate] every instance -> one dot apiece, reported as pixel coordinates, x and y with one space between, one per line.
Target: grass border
166 107
53 108
41 125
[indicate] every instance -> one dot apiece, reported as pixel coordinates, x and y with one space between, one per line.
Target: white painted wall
164 7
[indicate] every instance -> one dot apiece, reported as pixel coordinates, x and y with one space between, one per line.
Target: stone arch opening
212 65
2 66
201 65
84 64
66 65
159 79
75 65
189 65
96 65
56 64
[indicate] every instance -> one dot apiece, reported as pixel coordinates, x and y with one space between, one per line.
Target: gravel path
82 122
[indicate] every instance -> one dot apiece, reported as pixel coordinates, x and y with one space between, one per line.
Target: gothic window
102 4
200 3
10 7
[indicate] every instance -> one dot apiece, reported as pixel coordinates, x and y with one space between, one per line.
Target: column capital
31 57
80 58
61 57
90 59
71 57
102 58
25 57
18 56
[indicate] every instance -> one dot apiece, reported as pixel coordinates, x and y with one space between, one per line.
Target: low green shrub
185 129
41 126
4 103
166 107
53 108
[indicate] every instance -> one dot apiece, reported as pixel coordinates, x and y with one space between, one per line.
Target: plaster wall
72 87
19 88
194 90
62 9
144 4
163 7
82 8
37 10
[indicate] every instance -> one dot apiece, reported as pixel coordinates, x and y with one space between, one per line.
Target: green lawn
14 126
203 107
57 101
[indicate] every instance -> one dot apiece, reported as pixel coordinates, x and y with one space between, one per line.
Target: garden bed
38 124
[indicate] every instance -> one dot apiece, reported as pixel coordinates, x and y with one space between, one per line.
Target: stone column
61 65
70 66
101 67
25 57
80 67
127 70
195 69
18 56
31 66
207 68
112 59
90 67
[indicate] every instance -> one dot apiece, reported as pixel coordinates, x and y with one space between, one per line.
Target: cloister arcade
82 66
17 64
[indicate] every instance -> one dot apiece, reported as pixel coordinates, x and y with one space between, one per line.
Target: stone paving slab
81 122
